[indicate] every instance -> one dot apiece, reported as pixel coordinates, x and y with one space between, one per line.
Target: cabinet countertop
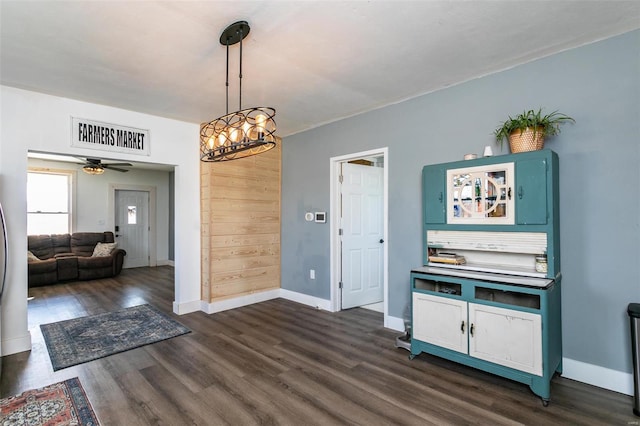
486 276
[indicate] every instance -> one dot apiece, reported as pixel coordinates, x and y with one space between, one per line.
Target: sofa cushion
103 249
67 268
82 243
95 267
43 272
61 243
41 246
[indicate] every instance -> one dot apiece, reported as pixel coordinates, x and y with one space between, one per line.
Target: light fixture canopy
241 133
93 169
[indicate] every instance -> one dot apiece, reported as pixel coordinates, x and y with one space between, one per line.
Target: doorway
134 224
359 211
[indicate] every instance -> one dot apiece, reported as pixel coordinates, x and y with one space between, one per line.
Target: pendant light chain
227 82
240 97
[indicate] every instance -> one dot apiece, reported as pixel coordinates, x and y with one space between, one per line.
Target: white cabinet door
506 337
440 321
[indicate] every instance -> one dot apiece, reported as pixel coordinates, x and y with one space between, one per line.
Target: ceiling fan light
93 169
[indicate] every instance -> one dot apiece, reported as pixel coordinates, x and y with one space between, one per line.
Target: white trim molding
16 345
305 299
187 307
394 323
250 299
238 302
602 377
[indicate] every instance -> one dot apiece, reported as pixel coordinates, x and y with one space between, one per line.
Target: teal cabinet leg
541 386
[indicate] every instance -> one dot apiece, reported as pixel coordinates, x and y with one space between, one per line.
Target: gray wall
598 85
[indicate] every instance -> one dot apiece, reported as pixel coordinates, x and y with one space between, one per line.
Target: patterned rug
79 340
63 403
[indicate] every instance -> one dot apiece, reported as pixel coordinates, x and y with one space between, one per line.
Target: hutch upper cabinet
486 193
488 295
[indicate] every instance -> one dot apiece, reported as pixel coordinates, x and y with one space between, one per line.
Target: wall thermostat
308 216
321 217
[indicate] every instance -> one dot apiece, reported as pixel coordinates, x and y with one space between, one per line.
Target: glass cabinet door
480 195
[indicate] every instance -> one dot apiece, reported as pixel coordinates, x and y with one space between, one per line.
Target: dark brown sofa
65 257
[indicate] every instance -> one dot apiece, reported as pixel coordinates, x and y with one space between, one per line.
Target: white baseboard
250 299
237 302
16 345
376 307
305 299
394 323
595 375
187 307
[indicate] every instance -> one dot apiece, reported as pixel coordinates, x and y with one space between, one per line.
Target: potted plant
526 131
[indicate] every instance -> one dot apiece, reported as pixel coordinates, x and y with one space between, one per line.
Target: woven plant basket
526 140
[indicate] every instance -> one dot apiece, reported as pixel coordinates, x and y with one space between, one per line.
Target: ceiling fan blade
118 164
108 166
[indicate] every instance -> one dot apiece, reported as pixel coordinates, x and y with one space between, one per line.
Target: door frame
111 206
334 218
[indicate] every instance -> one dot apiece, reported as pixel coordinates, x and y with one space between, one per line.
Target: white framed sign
109 137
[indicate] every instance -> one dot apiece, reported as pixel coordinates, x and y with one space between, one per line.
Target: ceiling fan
95 166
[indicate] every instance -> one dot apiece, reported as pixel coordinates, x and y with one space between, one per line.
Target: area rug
79 340
63 403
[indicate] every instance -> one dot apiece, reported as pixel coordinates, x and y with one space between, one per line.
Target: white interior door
362 235
132 226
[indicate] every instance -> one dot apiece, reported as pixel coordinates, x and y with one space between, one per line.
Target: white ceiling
314 61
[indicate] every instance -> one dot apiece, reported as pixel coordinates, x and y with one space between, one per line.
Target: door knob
381 241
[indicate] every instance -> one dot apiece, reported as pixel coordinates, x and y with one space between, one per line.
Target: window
48 202
132 215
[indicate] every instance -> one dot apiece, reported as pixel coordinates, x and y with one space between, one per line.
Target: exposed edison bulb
261 121
221 139
234 135
210 142
245 129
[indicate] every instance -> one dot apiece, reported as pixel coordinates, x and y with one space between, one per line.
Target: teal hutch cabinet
488 294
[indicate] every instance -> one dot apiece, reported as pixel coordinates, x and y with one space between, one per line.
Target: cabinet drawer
437 286
507 297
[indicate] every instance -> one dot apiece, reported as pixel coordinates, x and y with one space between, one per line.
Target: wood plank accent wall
240 214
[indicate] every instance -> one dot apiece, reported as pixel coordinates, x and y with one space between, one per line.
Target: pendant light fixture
245 132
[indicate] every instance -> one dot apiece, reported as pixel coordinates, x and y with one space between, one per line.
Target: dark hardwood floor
279 362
